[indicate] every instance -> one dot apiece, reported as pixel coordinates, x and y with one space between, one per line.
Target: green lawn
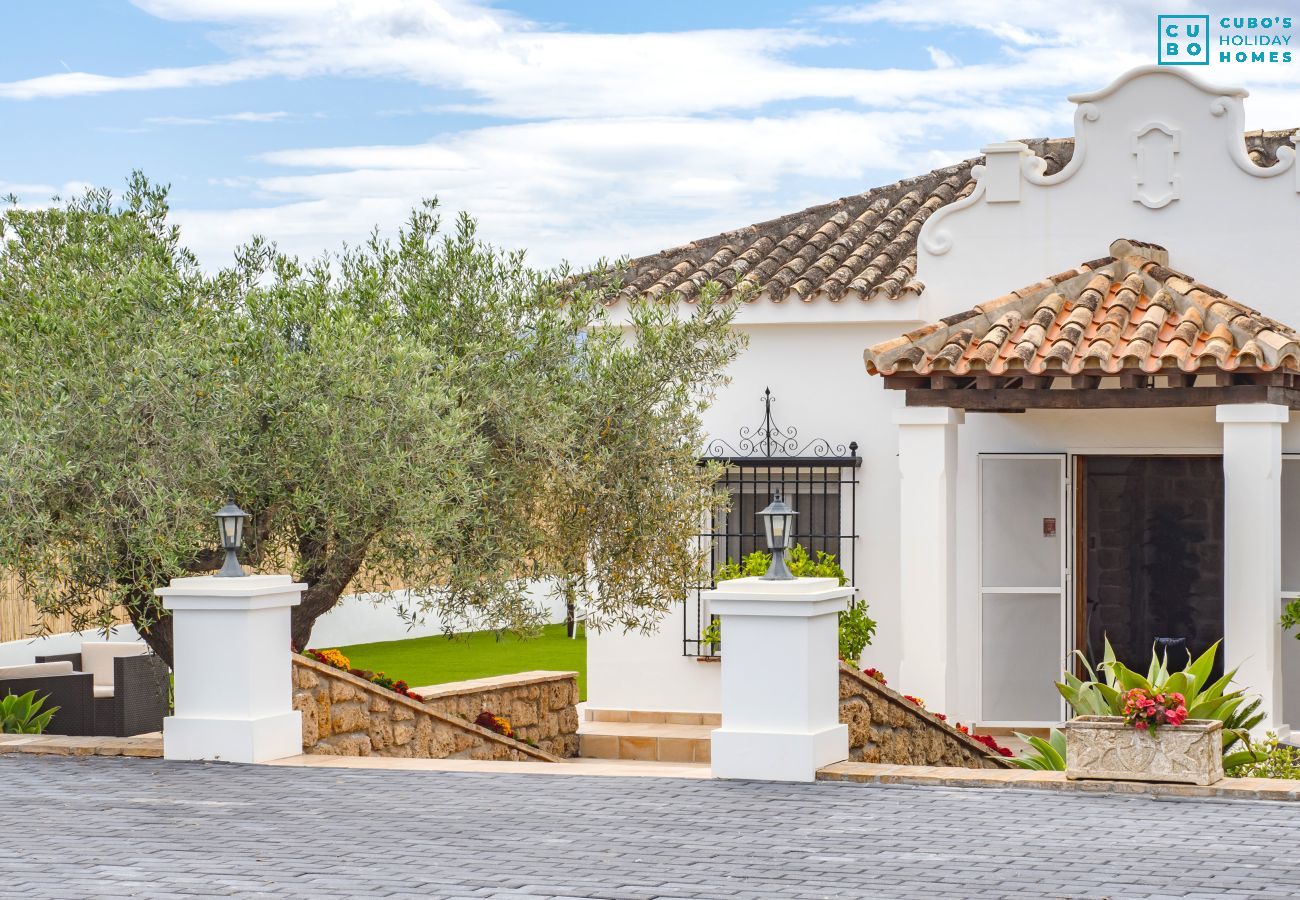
478 654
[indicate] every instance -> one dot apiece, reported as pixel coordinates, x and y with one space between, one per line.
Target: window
819 480
815 494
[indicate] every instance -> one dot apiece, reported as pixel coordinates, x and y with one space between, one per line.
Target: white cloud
41 196
512 67
254 116
583 188
73 84
275 116
26 190
613 143
1002 18
941 59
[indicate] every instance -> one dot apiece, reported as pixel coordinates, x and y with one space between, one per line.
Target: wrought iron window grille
768 441
818 477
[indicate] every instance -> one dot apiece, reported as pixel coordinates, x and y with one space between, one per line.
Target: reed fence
19 617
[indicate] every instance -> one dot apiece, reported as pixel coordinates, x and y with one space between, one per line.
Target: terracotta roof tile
1125 312
862 246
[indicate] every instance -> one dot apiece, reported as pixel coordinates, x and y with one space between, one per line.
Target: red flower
875 674
1148 709
494 722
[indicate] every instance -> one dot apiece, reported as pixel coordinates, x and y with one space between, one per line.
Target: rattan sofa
129 687
71 691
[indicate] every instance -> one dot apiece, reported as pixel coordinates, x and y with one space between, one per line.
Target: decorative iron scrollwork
768 440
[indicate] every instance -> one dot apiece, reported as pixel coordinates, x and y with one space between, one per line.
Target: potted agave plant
1152 741
1159 727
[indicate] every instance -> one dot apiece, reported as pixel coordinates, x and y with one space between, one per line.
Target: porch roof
1125 318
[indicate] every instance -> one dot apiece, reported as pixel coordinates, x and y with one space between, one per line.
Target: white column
927 463
1252 551
780 678
233 669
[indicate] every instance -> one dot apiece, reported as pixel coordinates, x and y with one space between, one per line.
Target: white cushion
97 658
36 670
102 690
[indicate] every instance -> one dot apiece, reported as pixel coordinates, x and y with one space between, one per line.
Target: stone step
648 717
645 741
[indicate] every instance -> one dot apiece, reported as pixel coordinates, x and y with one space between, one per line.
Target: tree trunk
154 626
327 573
570 608
318 599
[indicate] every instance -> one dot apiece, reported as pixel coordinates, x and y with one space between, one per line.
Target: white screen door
1290 587
1022 565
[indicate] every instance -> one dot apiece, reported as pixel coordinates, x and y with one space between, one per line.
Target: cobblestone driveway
72 828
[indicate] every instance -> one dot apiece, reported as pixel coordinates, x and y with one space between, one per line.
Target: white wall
357 619
648 671
368 618
18 653
1229 223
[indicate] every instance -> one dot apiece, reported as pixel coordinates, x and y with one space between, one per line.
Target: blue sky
576 130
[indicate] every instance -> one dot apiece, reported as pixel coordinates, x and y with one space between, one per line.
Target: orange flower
334 658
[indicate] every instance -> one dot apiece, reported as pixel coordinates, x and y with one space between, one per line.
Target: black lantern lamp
778 522
230 520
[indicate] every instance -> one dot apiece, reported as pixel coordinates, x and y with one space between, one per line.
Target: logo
1264 39
1184 40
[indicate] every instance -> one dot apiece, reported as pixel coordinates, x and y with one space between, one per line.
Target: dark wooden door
1150 556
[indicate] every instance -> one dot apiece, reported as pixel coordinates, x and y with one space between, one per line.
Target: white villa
1074 418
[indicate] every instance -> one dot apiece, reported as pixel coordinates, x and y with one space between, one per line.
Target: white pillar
927 528
232 668
1252 551
780 678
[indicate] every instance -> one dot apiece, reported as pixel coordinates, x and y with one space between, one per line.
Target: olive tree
627 500
425 412
116 407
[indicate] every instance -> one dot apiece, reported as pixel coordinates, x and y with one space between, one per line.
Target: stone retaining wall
343 715
885 728
540 706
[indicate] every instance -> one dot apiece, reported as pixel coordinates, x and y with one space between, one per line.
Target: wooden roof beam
1019 399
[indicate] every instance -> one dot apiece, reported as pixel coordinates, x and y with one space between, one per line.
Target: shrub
21 714
712 633
797 560
1268 759
857 629
1291 617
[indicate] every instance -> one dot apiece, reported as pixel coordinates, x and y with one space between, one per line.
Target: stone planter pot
1105 747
